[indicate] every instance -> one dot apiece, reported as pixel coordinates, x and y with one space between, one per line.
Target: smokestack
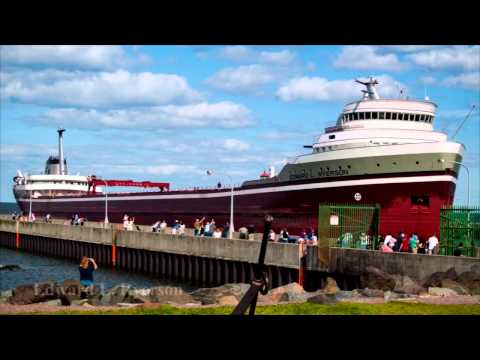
60 151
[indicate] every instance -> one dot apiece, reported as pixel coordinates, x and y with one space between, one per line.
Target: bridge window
422 200
355 116
381 116
412 117
374 115
417 117
422 117
367 115
361 116
331 137
388 115
394 116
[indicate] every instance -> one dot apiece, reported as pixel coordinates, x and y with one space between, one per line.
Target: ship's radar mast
371 92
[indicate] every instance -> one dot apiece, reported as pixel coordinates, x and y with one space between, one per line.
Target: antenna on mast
463 122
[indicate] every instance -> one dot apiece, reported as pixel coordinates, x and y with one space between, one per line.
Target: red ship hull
295 209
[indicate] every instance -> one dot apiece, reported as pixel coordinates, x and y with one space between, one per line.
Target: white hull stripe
378 181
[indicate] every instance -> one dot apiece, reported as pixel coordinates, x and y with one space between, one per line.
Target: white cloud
409 48
321 89
283 57
428 80
463 57
105 89
246 53
91 57
360 57
468 81
237 52
282 135
243 78
222 114
235 145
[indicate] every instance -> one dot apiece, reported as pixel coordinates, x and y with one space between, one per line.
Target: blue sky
168 113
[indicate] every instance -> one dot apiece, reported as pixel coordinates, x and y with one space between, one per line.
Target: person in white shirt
272 236
390 241
432 244
217 233
125 222
163 226
181 229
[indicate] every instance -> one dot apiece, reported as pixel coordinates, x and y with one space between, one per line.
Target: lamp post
30 208
106 202
230 228
468 177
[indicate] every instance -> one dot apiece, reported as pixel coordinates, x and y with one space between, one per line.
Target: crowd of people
411 244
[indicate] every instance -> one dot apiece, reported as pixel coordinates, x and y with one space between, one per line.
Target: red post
17 238
301 269
114 255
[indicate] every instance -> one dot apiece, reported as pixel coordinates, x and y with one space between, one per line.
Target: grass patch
343 308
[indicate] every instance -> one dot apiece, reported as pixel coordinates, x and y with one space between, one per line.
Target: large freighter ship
381 151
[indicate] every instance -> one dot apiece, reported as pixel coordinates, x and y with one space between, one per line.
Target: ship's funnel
60 151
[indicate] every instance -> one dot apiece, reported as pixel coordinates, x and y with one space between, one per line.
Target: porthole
417 162
340 168
394 163
348 166
378 164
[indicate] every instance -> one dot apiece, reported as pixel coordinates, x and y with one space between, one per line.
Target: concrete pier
208 261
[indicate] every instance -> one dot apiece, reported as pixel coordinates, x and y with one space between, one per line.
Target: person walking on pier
86 268
432 243
163 226
125 222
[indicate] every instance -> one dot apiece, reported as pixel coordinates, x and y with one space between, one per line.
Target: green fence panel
459 225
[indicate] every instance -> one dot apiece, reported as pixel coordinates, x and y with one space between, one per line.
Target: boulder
438 291
390 295
470 280
210 295
330 286
6 294
79 302
435 279
344 294
323 299
71 289
455 286
56 302
289 292
115 295
228 300
127 305
33 293
374 278
165 295
405 285
372 292
10 267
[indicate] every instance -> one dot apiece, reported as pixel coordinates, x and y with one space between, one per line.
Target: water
37 268
8 208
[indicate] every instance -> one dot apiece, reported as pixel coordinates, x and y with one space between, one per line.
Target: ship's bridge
372 112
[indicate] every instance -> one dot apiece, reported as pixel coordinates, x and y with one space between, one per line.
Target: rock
344 294
374 278
470 280
455 286
71 289
88 305
390 295
56 302
10 267
357 293
435 279
210 295
331 286
405 285
29 294
228 300
438 291
372 292
79 302
115 295
165 295
6 294
323 299
289 292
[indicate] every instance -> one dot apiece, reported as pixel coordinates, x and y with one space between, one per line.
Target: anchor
260 281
